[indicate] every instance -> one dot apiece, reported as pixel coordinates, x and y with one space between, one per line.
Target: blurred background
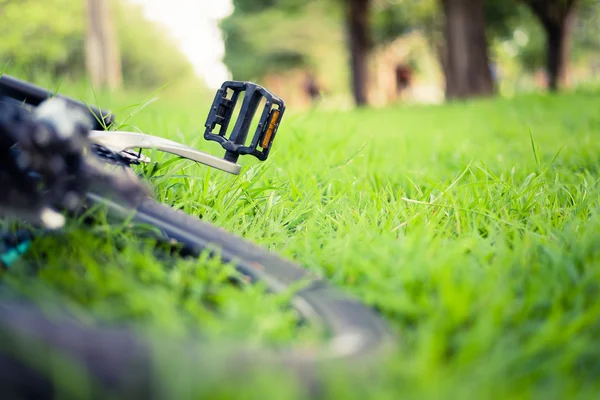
325 53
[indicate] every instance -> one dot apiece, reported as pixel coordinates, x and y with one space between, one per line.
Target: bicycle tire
317 301
355 330
356 333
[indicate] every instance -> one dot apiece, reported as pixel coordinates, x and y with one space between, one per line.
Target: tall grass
472 227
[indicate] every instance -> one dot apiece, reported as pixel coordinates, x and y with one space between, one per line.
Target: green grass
473 228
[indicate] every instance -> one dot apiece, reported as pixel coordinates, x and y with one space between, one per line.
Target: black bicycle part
356 332
46 166
32 95
116 358
221 113
316 301
124 158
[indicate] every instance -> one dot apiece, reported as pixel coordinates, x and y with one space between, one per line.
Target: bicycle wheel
354 329
355 333
118 357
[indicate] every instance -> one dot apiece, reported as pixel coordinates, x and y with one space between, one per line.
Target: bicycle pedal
222 111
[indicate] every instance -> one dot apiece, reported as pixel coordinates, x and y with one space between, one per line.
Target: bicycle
49 141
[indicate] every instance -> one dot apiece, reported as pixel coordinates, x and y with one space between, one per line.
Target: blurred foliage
586 32
525 37
267 35
48 38
150 58
393 18
254 6
525 40
263 37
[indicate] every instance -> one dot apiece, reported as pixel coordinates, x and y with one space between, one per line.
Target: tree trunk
555 16
557 38
358 43
103 61
467 64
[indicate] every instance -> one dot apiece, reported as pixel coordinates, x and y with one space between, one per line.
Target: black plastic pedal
221 113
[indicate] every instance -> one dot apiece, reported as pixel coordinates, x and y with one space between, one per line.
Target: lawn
473 228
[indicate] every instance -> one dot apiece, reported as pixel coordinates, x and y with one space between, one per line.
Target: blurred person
403 74
311 87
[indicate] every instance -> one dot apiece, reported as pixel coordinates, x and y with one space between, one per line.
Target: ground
473 228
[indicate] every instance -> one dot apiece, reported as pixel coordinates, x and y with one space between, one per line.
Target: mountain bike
60 157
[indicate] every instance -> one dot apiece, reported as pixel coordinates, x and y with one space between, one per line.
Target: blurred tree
501 17
302 27
587 29
307 35
263 36
526 40
466 66
266 38
102 49
42 38
450 37
49 38
392 19
149 56
359 42
556 17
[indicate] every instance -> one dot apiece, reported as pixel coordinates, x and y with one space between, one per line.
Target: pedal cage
221 113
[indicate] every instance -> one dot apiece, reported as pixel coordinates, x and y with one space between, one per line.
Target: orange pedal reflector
274 119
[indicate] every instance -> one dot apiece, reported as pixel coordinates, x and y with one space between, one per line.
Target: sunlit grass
473 228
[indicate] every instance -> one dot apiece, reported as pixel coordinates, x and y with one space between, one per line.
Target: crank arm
119 141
